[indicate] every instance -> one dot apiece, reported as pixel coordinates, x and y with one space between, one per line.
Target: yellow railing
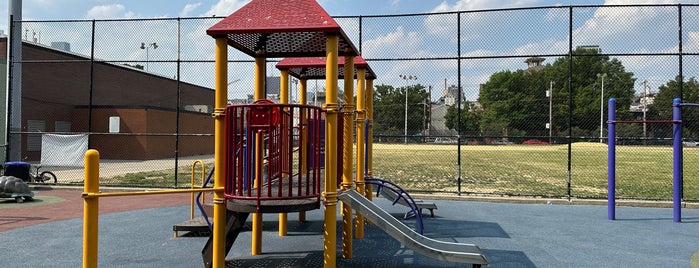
194 186
91 197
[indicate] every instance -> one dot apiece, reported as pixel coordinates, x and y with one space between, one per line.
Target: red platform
314 67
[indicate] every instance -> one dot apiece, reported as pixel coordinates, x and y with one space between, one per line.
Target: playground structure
677 175
258 169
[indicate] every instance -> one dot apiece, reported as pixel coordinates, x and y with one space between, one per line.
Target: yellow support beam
369 101
91 208
260 65
303 134
330 191
361 74
347 180
284 99
220 101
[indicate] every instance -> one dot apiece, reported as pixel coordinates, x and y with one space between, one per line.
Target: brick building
66 93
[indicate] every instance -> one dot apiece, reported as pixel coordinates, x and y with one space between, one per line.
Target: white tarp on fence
63 150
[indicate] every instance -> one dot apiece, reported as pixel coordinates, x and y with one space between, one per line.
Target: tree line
516 104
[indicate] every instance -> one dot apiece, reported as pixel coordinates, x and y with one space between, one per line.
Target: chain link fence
505 102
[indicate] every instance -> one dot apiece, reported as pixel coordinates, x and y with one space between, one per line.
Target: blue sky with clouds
615 30
115 9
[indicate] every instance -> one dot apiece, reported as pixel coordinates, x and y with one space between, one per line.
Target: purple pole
611 160
677 160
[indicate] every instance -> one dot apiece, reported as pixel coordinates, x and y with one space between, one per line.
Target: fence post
91 208
611 160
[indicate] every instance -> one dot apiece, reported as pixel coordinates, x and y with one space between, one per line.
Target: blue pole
677 160
611 160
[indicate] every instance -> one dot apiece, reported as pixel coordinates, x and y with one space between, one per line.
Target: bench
391 195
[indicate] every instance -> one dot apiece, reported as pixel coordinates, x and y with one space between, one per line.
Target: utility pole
407 79
549 94
644 101
601 107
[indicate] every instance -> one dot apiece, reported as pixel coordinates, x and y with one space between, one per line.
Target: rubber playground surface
136 231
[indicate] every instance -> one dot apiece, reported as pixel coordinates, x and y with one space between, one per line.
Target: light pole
146 47
549 94
406 78
645 107
601 107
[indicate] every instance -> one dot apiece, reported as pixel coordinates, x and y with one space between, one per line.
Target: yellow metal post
192 185
347 181
91 208
330 191
369 90
260 64
303 135
284 99
220 101
361 73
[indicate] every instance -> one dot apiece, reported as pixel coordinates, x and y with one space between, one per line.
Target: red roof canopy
314 67
289 28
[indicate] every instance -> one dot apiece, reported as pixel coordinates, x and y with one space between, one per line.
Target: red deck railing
265 143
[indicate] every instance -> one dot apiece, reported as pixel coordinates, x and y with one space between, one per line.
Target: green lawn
642 171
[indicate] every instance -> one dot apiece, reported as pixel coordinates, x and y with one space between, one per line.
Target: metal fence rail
457 95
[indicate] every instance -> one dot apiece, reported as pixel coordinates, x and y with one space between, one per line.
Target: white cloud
465 5
188 8
445 25
113 11
385 45
224 8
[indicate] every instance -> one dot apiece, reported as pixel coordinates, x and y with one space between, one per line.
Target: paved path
51 205
111 168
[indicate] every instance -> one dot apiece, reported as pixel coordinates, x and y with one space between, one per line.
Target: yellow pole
330 191
192 185
302 134
284 99
361 74
369 90
347 181
221 99
260 65
91 207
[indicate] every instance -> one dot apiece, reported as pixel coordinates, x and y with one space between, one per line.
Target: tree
389 110
516 100
663 105
470 119
587 88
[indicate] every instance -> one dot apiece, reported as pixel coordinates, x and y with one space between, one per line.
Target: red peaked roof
314 67
281 28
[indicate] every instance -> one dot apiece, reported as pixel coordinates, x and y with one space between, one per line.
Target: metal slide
447 251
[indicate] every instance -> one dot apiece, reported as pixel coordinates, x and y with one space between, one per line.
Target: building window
62 126
34 140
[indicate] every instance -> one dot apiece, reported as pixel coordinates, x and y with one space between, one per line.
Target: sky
605 27
119 9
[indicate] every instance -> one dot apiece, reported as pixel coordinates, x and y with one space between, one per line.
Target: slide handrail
400 193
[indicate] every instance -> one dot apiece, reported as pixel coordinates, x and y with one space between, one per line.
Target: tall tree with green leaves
663 105
389 110
470 119
517 100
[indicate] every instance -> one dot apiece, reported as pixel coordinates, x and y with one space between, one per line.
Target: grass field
643 172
